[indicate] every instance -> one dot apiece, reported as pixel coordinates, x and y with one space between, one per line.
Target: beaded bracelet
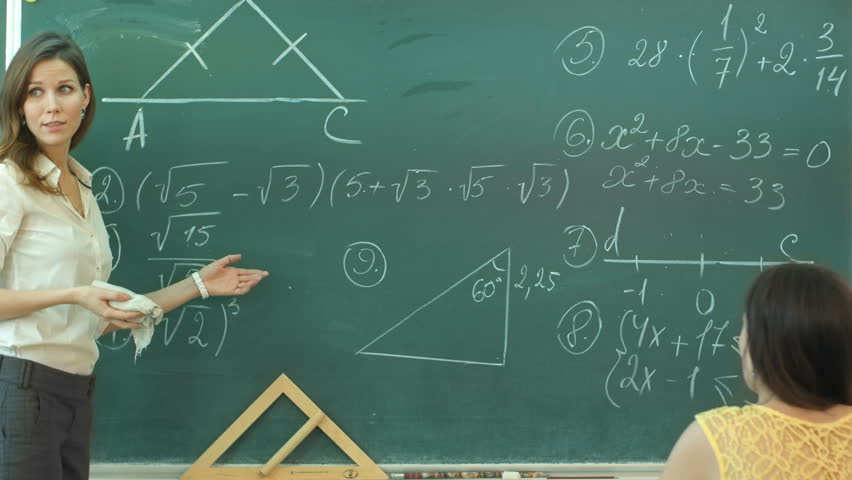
200 284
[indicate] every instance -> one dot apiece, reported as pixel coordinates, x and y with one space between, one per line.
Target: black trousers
45 422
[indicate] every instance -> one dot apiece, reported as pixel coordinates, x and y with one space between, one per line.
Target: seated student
797 356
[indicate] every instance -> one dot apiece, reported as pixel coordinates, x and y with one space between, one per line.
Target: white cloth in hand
152 314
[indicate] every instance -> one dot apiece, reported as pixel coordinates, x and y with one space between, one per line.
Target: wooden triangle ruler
364 468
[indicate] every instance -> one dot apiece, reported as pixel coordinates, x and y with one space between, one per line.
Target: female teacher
53 245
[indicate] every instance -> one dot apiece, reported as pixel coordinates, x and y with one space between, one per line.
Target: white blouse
46 244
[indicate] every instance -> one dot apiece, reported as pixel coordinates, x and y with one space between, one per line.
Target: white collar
48 170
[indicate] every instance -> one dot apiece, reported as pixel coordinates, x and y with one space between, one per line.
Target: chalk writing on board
347 141
827 54
700 262
542 279
292 186
137 128
196 234
110 188
623 320
579 131
179 268
653 60
114 243
543 183
196 333
364 264
115 340
204 326
723 54
575 136
585 55
185 194
304 185
579 327
137 131
582 246
632 375
488 288
638 334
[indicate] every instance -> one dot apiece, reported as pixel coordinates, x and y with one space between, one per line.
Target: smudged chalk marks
432 87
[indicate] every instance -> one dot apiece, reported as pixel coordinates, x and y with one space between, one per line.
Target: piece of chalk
511 476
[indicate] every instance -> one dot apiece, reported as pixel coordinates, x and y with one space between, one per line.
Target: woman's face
53 104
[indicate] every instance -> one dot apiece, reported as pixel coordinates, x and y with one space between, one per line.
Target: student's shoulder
723 413
693 456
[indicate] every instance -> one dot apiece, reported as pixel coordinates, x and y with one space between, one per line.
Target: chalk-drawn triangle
289 51
364 469
466 323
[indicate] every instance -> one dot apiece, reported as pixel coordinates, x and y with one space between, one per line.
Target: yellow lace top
759 443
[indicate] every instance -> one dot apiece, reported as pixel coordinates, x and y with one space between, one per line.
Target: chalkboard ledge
631 471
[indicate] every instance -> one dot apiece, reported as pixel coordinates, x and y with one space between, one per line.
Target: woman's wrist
70 296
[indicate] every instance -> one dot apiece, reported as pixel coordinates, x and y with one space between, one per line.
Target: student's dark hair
799 326
17 142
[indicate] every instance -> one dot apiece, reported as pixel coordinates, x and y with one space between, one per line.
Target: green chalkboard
497 231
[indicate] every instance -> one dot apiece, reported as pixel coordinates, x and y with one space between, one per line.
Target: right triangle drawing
466 323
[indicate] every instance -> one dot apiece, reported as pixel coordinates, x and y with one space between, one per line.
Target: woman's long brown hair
17 144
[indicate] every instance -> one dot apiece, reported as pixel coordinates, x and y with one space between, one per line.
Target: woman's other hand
96 300
221 279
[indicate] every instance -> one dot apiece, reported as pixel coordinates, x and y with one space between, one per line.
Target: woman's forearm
17 303
175 294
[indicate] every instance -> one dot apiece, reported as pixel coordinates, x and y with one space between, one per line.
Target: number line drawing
507 254
702 262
